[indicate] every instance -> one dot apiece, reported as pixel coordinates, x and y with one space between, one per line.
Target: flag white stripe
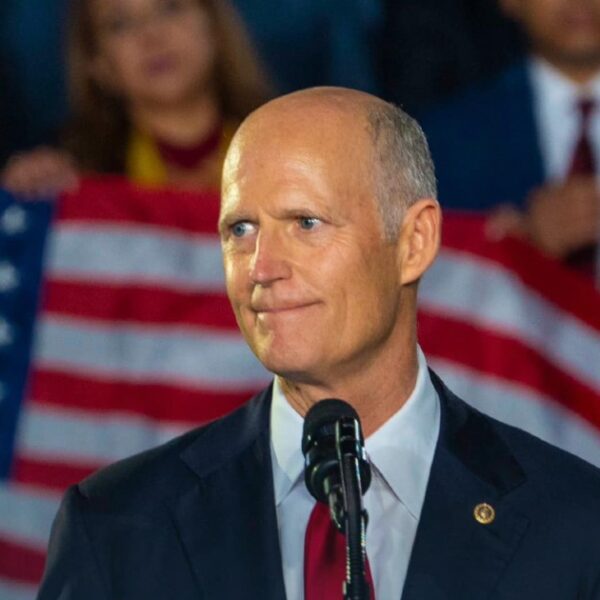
147 353
11 590
484 293
80 438
27 515
135 255
521 407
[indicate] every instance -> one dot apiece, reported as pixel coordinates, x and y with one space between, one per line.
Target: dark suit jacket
432 48
196 519
484 143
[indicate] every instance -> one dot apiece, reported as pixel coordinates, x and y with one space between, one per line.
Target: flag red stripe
152 304
19 563
567 289
160 402
492 352
114 199
50 475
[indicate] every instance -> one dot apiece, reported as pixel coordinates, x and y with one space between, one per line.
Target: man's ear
419 240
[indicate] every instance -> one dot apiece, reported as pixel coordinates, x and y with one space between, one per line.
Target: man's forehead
294 167
322 131
317 139
319 115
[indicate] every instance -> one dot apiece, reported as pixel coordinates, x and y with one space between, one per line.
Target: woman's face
154 52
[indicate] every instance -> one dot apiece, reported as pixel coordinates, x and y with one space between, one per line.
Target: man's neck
375 395
181 124
580 74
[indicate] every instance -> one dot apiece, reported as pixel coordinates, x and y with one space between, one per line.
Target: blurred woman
157 88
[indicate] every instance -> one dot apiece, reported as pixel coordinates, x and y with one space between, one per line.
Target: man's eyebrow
232 217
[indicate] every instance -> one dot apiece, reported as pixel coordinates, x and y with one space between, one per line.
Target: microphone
332 435
337 473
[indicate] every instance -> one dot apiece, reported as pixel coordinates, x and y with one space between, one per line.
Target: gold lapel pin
484 513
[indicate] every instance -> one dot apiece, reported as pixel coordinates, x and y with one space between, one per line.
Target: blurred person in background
303 43
526 145
157 88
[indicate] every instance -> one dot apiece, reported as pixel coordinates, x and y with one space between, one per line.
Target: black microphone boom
337 473
322 465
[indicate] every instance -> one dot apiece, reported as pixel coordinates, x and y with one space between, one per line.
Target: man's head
328 220
564 32
402 167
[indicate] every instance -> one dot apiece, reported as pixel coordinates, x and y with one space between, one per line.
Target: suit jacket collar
454 556
227 520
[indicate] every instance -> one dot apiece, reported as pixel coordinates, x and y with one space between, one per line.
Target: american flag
134 342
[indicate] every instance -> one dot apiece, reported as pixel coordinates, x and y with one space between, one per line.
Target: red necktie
325 558
583 164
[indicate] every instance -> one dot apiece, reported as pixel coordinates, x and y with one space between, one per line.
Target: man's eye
308 223
241 229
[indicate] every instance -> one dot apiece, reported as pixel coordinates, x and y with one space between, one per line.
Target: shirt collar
286 442
554 89
401 449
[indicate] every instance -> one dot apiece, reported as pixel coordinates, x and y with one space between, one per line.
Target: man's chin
577 54
290 367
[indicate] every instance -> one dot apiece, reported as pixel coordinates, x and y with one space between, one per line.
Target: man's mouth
280 308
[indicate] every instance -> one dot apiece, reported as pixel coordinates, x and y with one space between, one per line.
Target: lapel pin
484 513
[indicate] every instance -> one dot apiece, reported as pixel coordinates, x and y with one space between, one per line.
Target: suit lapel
227 519
454 556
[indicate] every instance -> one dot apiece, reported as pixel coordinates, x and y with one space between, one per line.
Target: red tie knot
586 106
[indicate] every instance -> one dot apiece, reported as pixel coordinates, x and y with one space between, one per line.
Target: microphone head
322 463
321 418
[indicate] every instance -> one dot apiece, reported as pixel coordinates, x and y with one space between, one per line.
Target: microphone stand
354 515
337 472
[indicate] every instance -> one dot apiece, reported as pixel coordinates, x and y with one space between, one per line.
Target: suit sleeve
72 571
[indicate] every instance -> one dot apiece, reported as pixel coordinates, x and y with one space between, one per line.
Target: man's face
313 283
566 31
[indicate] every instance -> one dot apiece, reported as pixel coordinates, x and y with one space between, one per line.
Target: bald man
328 222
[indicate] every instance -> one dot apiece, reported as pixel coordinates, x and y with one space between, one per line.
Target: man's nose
270 260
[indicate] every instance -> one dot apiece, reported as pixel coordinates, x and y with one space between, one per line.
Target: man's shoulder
475 102
484 143
151 477
555 473
569 476
131 478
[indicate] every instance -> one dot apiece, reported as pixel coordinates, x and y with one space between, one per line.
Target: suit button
484 513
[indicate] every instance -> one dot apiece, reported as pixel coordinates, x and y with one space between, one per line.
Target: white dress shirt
400 452
558 118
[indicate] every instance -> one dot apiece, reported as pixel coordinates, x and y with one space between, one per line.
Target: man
328 221
526 144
